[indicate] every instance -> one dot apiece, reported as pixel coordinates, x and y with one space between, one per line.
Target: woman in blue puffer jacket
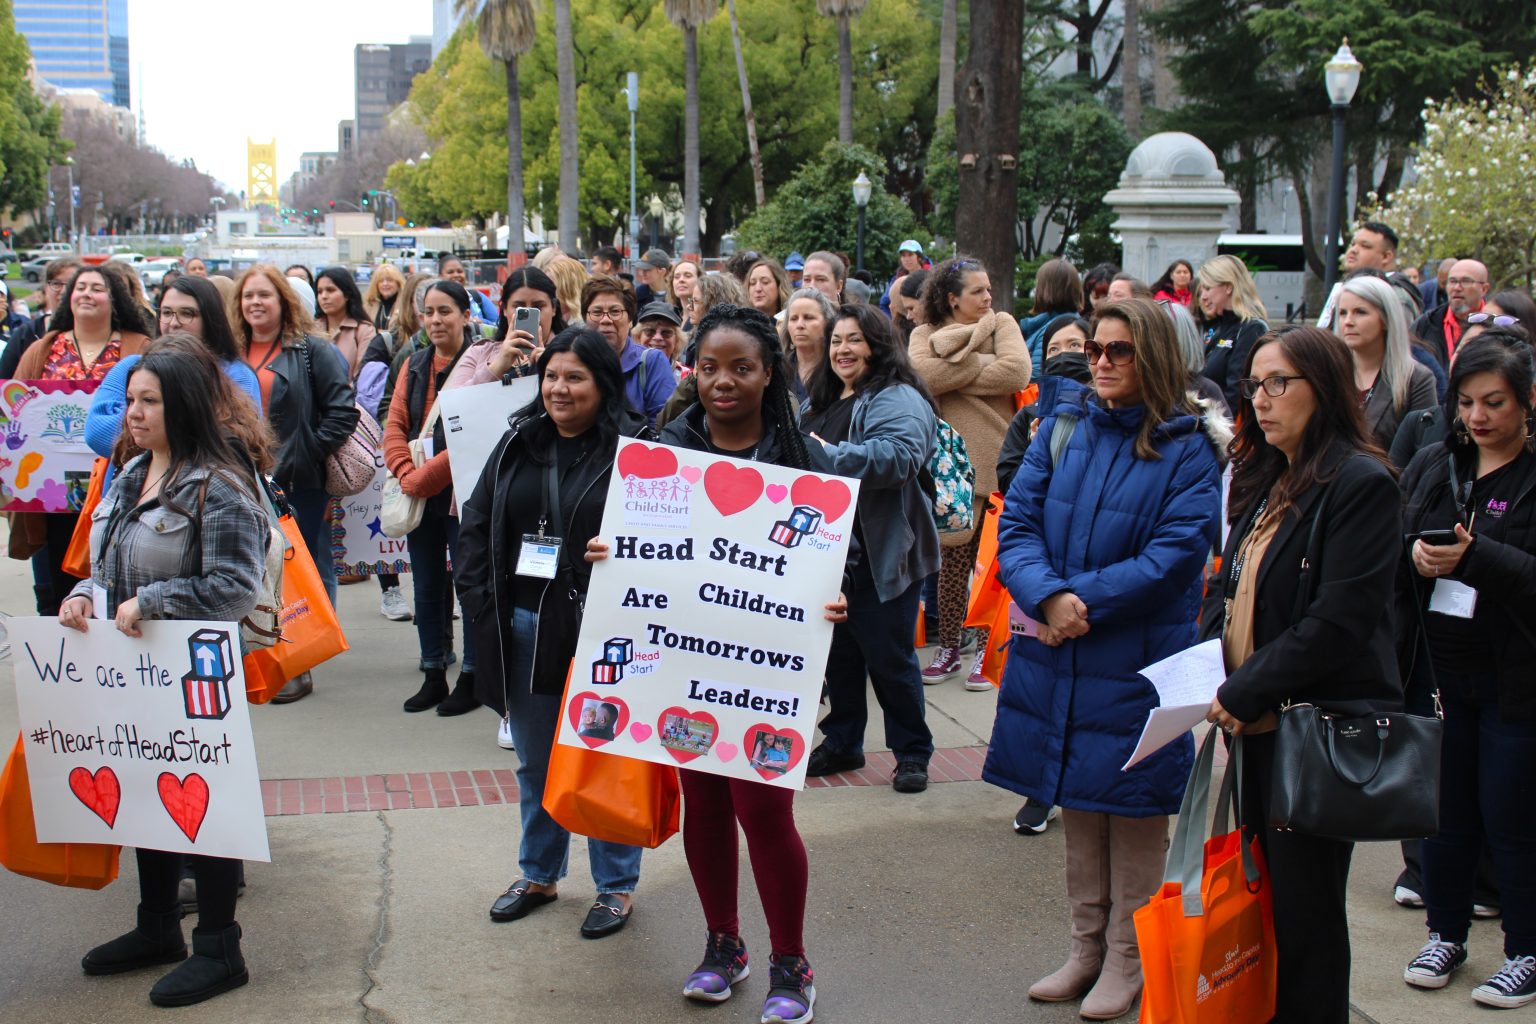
1103 541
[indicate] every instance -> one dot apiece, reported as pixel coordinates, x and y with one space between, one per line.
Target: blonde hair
295 322
569 277
715 290
1245 295
546 256
372 299
780 280
1396 357
404 323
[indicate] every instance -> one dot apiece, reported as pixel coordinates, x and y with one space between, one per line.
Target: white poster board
474 421
45 464
141 742
704 642
358 543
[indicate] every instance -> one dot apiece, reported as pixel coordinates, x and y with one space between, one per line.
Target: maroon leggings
712 805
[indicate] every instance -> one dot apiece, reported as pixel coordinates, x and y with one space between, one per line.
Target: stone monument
1172 203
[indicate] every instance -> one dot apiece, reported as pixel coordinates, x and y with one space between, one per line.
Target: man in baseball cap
652 271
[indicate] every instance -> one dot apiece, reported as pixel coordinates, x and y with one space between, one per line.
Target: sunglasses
1498 320
1119 352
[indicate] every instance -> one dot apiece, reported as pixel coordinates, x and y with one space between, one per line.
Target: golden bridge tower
261 163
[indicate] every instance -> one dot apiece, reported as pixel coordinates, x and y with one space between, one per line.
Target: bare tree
948 44
987 137
689 15
570 180
506 32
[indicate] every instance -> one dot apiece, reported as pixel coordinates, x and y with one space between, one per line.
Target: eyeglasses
1497 319
610 315
181 317
1119 352
651 330
1462 282
1274 386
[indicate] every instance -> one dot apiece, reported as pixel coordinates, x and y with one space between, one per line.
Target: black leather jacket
313 410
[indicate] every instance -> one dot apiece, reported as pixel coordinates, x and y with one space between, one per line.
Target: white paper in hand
1186 683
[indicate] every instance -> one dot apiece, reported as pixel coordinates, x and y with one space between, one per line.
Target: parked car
51 250
152 271
34 268
128 257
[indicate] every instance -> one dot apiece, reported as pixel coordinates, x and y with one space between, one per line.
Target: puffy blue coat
1130 538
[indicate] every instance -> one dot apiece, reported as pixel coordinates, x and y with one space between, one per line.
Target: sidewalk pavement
394 836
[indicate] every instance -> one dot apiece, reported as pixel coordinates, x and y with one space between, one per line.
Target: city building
346 139
384 73
311 166
79 44
445 20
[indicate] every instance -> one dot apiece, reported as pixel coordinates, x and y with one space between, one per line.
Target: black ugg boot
462 699
434 689
157 940
215 966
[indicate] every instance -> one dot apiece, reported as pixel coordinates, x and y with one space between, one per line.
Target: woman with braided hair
745 409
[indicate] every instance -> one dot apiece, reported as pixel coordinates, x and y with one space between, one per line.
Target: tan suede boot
1138 850
1088 893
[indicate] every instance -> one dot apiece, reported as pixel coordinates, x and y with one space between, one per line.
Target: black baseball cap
660 311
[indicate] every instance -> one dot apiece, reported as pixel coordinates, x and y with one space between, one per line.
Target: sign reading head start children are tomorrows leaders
704 642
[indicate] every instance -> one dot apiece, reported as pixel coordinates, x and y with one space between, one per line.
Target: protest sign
474 421
703 642
45 464
143 742
359 545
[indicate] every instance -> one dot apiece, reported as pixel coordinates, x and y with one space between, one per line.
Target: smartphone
1438 538
526 318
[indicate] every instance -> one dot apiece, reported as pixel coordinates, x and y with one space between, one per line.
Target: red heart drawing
831 496
646 463
100 792
597 720
687 734
731 489
185 800
773 752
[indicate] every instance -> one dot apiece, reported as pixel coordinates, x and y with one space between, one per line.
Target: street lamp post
632 93
863 188
657 209
1341 77
69 165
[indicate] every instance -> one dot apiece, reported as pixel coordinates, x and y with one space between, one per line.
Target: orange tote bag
77 557
988 596
311 632
77 865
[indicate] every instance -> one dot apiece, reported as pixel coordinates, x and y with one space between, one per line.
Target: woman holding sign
1102 541
520 580
180 534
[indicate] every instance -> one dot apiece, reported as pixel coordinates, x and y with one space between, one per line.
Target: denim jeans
431 545
1485 768
544 851
309 505
876 642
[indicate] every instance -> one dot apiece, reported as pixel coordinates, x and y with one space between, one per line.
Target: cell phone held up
527 319
1436 538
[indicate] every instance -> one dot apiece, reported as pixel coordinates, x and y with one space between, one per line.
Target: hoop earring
1463 435
1530 427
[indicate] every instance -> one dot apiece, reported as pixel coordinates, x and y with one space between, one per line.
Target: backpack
953 481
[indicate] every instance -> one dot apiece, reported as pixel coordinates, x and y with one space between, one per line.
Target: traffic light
364 203
333 204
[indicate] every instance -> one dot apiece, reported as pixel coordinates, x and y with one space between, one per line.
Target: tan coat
973 371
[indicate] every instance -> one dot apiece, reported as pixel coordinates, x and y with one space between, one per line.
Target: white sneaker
1406 897
393 607
504 735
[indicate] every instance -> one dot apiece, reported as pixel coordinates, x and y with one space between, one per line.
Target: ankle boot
1138 850
462 699
156 940
434 689
1088 894
215 966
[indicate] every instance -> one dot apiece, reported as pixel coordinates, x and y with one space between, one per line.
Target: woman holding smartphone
530 316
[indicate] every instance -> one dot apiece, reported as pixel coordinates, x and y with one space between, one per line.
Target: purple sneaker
791 996
724 964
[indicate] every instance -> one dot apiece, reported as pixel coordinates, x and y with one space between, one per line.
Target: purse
400 513
1369 778
953 482
77 865
349 469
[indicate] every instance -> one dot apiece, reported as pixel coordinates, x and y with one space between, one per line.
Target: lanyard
551 486
1461 495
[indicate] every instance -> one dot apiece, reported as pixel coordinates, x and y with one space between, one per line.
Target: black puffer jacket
313 411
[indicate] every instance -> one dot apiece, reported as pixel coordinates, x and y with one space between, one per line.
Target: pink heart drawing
725 751
692 474
640 732
777 493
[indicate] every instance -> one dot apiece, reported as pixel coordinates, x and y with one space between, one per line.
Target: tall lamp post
69 165
863 188
1341 77
632 93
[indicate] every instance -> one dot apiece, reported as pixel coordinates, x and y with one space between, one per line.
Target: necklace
152 484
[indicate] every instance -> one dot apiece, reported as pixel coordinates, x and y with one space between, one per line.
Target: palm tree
506 32
746 108
565 73
843 11
688 15
948 23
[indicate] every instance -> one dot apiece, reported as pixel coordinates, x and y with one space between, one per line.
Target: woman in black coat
1469 609
526 623
1303 453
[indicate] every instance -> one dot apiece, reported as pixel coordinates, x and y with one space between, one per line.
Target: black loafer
519 901
826 761
606 916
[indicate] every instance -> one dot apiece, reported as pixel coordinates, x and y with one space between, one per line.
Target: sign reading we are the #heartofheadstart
142 742
703 643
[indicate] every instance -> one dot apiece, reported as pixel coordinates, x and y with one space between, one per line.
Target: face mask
1068 364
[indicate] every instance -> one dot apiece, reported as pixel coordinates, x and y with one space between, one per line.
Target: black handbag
1359 779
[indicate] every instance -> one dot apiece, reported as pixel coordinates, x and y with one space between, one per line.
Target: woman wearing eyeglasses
1103 539
1309 488
608 307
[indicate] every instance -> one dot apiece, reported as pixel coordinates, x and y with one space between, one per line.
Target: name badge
98 601
1454 599
539 556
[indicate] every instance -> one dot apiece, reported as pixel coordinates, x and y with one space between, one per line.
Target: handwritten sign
704 642
45 464
142 742
474 421
358 542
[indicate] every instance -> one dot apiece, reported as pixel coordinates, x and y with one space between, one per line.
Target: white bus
1278 269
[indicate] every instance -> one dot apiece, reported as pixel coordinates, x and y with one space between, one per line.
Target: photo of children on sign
772 753
687 734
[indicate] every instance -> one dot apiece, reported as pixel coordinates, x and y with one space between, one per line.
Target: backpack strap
1061 436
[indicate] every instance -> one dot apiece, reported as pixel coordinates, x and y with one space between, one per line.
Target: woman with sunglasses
1103 541
1305 468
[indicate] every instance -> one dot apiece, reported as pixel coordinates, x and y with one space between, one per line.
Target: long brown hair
1258 468
1159 366
296 323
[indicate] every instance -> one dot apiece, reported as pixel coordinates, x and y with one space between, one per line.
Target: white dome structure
1173 203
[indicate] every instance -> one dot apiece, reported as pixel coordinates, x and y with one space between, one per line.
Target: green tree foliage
1475 195
791 57
29 129
815 210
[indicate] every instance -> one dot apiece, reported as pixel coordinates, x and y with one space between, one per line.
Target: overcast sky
213 73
